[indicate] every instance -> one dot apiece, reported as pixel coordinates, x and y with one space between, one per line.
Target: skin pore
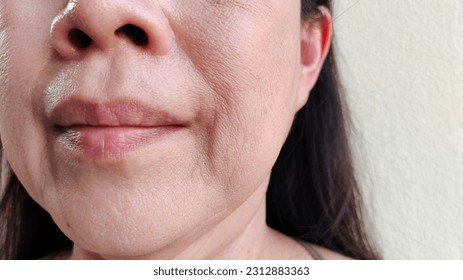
159 148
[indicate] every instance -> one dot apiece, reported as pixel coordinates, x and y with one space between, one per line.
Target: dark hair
313 194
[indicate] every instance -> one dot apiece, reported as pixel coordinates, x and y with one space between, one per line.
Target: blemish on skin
72 5
71 139
4 53
68 225
61 87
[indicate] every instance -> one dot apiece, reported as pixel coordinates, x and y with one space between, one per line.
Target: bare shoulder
318 252
328 254
63 254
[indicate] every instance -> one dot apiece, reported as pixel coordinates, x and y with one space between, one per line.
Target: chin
137 222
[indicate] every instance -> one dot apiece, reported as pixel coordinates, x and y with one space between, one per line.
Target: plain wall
401 63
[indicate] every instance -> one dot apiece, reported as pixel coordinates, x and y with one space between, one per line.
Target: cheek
22 58
4 58
249 61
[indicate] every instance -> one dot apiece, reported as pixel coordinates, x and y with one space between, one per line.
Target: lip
103 130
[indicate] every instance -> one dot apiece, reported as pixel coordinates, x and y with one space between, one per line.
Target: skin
235 72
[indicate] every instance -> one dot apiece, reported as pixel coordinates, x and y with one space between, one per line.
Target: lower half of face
222 101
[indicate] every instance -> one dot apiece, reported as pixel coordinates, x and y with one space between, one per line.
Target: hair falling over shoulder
313 194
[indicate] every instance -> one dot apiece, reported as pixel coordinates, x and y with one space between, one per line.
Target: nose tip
103 24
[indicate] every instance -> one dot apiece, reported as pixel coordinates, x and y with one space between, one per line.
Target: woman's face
131 143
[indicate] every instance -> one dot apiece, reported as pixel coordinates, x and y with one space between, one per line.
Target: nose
104 24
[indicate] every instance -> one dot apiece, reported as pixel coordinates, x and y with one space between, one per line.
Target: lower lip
104 142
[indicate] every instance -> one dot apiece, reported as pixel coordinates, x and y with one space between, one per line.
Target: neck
243 234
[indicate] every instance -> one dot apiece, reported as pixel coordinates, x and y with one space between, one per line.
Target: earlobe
315 44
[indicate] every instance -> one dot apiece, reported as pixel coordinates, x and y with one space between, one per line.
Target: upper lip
128 113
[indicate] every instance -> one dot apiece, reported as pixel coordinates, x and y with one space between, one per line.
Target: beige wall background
401 63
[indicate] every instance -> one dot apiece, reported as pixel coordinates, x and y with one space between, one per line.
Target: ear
315 44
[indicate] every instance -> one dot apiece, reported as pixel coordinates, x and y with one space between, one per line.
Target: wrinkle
4 55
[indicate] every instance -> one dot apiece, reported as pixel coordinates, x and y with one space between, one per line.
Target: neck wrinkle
240 235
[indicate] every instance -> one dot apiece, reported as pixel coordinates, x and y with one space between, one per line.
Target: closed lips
109 129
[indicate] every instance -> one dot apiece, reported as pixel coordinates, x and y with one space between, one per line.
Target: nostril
137 35
79 39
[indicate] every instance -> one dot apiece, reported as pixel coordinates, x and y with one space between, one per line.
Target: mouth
107 130
110 141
